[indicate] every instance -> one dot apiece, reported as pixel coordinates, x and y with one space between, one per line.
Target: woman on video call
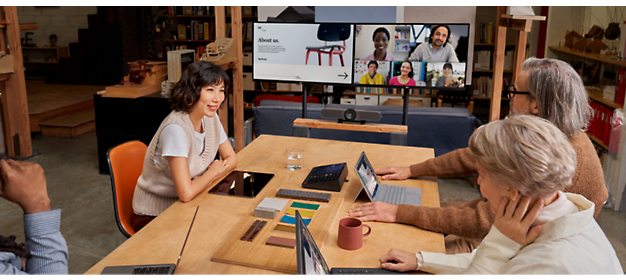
381 41
447 80
406 76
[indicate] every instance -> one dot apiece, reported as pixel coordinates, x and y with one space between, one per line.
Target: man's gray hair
526 153
561 96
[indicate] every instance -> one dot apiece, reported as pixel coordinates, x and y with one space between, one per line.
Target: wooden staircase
61 110
71 125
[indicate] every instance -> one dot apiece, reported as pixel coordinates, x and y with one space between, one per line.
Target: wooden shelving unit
13 86
593 56
597 96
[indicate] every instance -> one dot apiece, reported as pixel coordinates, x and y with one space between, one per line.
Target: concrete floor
88 223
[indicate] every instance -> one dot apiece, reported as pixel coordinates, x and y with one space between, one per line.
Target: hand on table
514 219
394 173
375 211
399 260
24 183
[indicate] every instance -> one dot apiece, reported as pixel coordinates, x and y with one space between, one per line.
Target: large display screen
411 55
303 52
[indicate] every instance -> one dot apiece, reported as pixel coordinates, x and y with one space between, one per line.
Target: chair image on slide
125 166
330 33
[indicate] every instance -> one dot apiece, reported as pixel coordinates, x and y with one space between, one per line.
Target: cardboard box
6 64
248 83
350 101
247 59
283 87
296 87
609 93
365 99
397 101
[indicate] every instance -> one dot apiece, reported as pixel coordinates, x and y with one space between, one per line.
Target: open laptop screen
310 261
366 174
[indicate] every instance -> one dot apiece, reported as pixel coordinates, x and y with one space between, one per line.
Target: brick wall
62 21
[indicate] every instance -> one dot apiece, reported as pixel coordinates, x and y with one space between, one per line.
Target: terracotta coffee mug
351 235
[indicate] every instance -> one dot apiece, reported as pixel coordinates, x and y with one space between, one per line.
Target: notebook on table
149 269
384 193
311 262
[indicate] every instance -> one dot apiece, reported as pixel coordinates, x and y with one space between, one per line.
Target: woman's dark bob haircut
196 76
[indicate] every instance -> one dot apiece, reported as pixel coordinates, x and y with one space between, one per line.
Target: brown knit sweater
474 219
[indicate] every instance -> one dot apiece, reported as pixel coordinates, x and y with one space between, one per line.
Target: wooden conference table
222 220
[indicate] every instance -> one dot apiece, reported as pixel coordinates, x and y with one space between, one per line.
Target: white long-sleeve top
571 242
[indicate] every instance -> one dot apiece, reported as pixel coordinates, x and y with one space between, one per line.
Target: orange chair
125 165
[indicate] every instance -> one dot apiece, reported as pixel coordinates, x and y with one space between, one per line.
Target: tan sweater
155 190
474 219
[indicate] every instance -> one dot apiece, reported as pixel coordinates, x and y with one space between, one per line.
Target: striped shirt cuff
42 223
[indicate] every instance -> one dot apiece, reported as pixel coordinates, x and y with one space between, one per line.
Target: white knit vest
155 189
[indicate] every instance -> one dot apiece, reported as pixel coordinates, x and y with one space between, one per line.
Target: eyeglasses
511 91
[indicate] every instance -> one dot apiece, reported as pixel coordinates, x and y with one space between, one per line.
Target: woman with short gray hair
523 161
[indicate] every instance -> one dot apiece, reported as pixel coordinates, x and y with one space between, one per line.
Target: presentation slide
303 52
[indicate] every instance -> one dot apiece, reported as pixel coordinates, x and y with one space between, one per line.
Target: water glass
294 158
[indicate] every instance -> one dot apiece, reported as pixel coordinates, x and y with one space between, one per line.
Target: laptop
384 193
149 269
311 262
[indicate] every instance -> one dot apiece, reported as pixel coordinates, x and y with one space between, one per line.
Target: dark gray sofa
443 129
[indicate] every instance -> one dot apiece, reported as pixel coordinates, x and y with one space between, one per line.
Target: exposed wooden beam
235 19
14 101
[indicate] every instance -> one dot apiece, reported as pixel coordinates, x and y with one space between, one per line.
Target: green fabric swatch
305 205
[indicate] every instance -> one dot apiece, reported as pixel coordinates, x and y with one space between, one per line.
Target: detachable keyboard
390 194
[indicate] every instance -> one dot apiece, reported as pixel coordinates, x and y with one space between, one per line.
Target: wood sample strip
285 229
281 242
368 127
256 230
250 229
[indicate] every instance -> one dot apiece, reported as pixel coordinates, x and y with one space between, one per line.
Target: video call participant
45 251
406 76
179 161
438 49
381 41
525 163
371 77
547 88
447 80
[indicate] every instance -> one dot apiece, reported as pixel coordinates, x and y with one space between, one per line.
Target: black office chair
330 33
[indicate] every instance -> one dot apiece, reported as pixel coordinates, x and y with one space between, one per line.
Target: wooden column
220 32
14 99
496 90
235 12
523 24
220 22
520 53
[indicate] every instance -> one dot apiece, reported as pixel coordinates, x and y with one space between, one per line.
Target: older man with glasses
546 88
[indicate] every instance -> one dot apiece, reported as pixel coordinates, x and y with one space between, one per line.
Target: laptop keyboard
355 272
390 194
151 270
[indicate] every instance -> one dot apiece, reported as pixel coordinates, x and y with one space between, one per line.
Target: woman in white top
179 162
524 163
